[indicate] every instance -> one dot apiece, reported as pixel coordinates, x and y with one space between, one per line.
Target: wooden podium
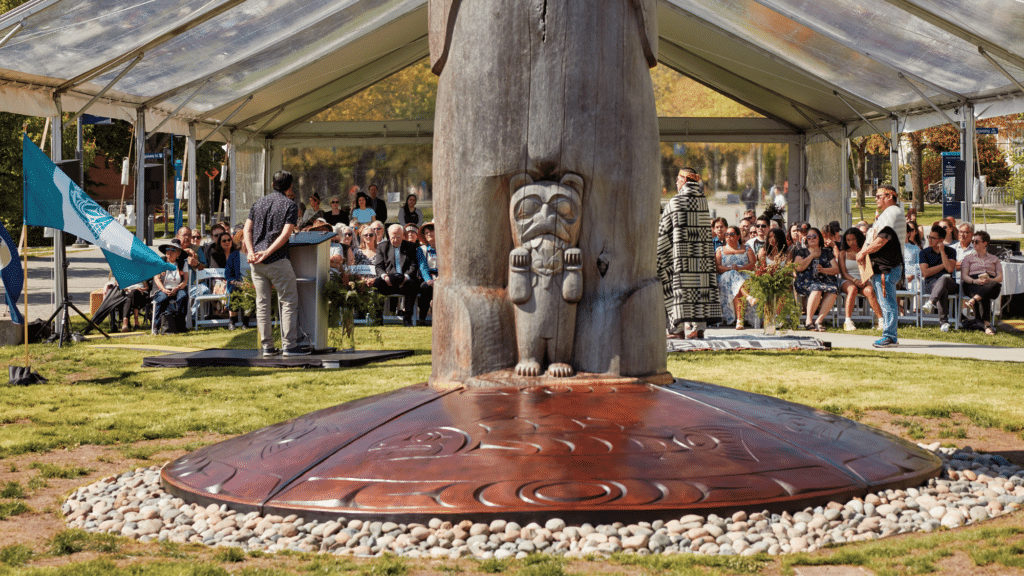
310 254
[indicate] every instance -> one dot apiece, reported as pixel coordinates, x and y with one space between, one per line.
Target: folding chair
209 278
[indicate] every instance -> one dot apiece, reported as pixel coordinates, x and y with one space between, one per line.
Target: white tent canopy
818 70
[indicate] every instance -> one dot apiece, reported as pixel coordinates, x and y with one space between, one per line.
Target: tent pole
928 100
894 153
193 205
967 155
140 174
57 155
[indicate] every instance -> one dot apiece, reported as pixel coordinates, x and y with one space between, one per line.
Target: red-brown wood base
624 451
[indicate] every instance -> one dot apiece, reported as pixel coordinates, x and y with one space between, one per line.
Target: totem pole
545 106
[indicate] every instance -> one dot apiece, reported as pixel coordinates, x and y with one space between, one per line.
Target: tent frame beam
998 66
177 110
225 121
928 100
101 92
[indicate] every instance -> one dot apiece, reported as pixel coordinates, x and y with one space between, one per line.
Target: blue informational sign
952 184
986 130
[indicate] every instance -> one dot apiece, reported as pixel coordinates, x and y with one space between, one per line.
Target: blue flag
54 201
10 271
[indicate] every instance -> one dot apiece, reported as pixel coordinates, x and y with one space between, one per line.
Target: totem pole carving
546 88
545 279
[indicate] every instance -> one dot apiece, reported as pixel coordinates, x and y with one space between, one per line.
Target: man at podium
267 231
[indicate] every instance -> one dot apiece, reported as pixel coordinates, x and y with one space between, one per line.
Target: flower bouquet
347 295
772 286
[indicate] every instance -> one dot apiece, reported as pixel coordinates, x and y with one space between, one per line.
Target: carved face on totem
545 219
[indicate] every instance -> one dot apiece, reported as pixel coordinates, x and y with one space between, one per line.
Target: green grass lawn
102 396
933 213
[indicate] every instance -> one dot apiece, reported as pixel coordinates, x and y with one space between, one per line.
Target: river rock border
973 487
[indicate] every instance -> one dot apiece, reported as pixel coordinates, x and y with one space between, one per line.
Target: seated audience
137 299
729 260
774 252
397 268
342 254
718 226
982 280
363 213
409 213
412 234
171 295
368 246
938 263
912 258
236 272
427 256
850 281
964 245
338 214
816 271
745 230
949 226
313 211
759 234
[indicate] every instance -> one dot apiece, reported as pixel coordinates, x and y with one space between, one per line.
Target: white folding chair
208 277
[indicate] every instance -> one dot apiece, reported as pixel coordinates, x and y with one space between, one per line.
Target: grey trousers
281 275
940 289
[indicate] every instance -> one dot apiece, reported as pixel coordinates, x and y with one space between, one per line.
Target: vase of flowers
772 286
348 295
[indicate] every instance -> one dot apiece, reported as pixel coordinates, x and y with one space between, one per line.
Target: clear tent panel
999 21
283 36
893 36
66 38
800 46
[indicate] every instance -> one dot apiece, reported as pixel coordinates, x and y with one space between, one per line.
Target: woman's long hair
845 246
780 243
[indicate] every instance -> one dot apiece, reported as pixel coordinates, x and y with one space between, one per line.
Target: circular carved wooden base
592 452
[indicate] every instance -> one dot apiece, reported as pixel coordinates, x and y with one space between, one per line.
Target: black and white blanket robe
686 259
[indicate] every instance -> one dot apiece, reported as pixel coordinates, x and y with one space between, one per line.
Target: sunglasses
334 201
369 235
223 240
936 238
347 235
730 233
812 236
977 242
760 225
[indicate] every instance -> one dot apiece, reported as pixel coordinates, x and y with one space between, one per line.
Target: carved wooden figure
546 88
545 281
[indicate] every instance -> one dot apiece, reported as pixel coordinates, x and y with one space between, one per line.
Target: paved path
864 342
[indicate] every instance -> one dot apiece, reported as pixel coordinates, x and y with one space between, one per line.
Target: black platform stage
253 358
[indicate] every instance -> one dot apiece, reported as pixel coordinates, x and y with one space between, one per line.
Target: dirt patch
35 528
956 430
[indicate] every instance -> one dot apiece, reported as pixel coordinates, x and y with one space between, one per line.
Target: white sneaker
928 306
944 327
849 326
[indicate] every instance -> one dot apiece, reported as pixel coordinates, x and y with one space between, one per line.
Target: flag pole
24 284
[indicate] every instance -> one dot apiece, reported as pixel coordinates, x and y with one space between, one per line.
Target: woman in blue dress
816 271
729 260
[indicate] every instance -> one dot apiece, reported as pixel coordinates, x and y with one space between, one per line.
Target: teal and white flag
54 201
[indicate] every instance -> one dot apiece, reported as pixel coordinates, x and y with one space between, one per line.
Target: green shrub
12 508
